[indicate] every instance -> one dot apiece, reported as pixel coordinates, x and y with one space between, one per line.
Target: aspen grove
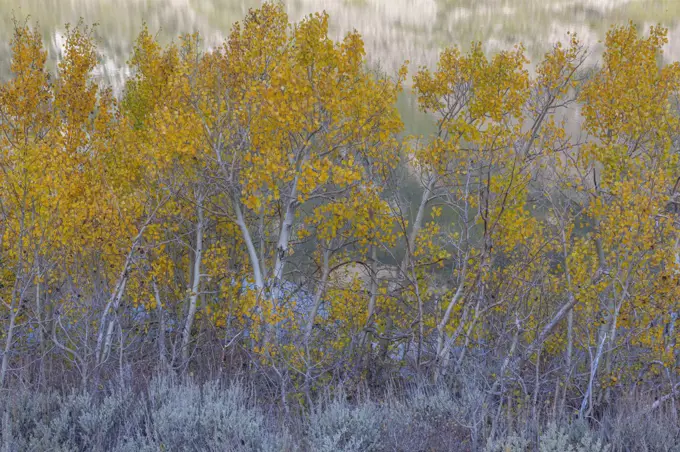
241 211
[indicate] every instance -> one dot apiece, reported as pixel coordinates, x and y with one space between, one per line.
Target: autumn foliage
243 208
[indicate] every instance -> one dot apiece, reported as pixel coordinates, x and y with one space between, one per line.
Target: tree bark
195 285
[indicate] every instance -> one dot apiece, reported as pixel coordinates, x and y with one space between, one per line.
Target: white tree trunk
196 284
162 354
8 340
252 253
284 239
104 342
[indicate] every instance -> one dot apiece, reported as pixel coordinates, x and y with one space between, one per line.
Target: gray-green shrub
340 427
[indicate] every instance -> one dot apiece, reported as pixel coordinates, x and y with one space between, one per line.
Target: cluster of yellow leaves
65 214
602 235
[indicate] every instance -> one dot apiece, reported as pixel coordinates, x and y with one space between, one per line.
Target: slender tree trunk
570 315
309 327
162 351
500 380
282 243
14 311
77 357
316 303
276 284
537 384
104 341
16 300
196 284
370 318
263 242
417 225
473 322
441 326
41 336
252 253
609 355
384 342
443 344
588 397
421 331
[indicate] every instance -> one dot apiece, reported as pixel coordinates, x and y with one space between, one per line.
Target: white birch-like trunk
587 398
248 240
104 340
283 241
195 285
8 341
443 345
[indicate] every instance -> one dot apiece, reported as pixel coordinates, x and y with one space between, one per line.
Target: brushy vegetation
183 416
